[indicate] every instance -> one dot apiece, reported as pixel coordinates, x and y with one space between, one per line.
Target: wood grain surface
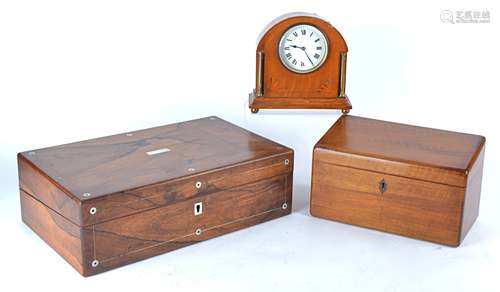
33 181
121 162
299 103
404 146
58 232
409 207
145 234
106 202
283 88
470 206
431 178
156 195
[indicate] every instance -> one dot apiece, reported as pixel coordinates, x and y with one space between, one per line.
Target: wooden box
107 202
418 182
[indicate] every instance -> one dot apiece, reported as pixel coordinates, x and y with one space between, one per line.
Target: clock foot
254 110
345 111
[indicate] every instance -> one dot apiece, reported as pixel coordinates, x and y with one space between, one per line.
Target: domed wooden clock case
286 79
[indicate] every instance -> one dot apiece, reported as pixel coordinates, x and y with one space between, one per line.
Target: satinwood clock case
276 87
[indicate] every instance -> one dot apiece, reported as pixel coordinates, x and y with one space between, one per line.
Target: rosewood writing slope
107 202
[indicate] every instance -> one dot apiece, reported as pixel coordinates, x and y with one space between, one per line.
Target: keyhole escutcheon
382 185
198 208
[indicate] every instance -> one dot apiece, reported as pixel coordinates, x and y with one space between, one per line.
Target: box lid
403 146
126 161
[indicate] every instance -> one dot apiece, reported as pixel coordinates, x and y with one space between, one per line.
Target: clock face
303 48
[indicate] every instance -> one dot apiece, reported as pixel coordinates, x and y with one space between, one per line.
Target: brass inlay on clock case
343 61
300 64
260 69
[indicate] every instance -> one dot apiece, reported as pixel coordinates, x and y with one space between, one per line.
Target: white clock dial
303 48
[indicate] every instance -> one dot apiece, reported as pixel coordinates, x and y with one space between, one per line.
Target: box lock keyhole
382 186
198 208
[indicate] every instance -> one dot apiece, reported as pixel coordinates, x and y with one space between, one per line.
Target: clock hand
307 55
297 47
303 49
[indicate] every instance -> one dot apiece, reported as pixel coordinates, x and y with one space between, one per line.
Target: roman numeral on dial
303 48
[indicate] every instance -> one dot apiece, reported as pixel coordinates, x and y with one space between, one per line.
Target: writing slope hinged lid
398 149
93 169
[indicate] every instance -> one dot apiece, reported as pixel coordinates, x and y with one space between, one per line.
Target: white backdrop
73 70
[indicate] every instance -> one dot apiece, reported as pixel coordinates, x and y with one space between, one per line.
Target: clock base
262 102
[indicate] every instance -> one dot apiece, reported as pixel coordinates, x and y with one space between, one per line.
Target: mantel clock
301 64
